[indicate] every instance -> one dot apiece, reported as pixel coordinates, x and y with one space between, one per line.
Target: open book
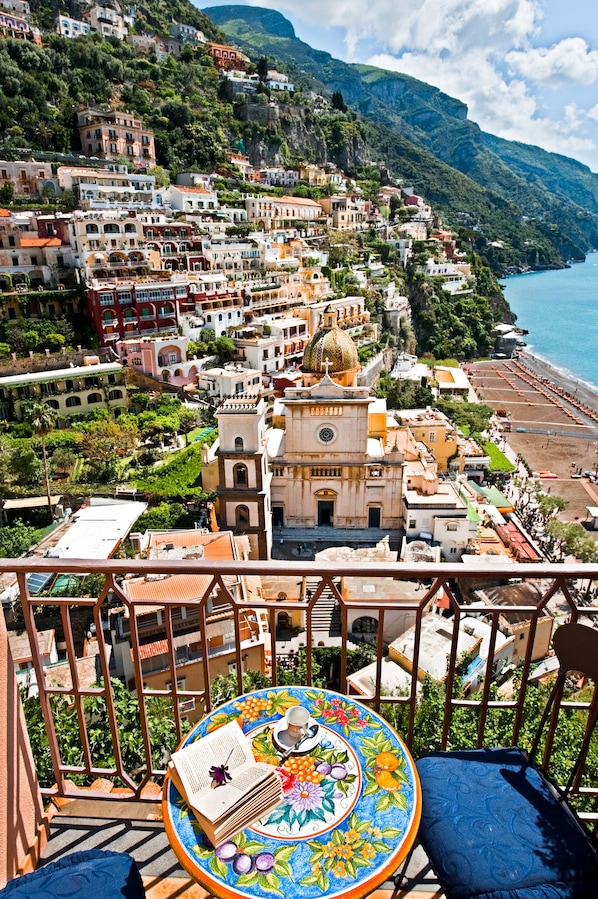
249 791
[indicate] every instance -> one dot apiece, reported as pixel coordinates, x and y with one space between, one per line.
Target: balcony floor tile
136 828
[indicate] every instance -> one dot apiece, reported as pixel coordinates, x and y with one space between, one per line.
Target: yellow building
434 430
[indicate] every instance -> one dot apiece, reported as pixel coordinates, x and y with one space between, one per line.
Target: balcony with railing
274 618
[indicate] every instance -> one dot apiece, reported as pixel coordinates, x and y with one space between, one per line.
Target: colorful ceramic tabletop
351 810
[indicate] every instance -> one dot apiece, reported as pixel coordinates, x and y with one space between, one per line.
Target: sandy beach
553 423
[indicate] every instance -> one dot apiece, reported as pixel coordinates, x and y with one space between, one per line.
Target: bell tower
243 472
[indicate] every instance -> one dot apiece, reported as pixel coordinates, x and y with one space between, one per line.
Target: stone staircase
326 617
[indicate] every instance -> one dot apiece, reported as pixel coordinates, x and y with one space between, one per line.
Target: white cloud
486 53
569 60
433 26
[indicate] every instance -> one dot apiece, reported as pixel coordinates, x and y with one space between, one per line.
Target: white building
278 81
113 187
232 380
67 27
192 199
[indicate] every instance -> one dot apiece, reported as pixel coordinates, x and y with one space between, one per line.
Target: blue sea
560 311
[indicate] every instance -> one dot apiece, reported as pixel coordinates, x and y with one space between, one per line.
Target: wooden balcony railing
243 625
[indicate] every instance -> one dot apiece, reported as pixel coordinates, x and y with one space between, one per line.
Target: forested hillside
515 205
538 205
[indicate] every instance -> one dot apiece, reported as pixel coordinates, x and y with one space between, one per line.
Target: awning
30 502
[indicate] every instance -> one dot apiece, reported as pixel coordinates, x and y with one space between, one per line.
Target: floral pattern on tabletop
248 709
339 711
349 802
346 851
320 787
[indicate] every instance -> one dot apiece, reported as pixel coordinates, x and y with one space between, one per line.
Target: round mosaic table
350 814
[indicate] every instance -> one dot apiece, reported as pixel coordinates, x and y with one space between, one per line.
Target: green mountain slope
550 199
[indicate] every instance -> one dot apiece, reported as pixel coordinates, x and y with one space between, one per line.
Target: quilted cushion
81 875
493 829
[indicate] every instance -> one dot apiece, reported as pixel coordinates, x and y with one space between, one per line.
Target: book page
214 803
225 746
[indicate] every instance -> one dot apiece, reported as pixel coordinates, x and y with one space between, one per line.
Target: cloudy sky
527 69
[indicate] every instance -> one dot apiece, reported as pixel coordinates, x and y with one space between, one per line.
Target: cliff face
521 199
281 133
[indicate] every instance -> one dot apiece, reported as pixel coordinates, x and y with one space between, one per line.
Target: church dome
331 345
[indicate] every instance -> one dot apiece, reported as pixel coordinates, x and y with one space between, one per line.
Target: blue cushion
493 829
81 875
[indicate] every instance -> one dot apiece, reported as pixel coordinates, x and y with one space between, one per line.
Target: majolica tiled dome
332 345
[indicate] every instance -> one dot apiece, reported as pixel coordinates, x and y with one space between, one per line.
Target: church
325 456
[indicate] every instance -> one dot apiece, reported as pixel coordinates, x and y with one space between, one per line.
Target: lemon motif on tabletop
385 772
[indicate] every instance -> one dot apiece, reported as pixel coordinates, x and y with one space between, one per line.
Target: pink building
162 358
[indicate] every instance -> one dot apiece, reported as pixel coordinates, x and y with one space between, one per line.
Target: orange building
226 57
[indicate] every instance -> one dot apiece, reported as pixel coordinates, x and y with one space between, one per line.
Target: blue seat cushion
91 874
493 829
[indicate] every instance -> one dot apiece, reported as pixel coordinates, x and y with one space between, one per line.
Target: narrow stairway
326 616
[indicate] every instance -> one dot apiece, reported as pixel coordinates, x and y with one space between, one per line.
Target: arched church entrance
325 500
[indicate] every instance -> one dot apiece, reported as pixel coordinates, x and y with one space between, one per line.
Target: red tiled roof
518 543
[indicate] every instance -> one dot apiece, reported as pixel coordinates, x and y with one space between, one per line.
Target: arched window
107 316
240 475
53 404
241 517
73 401
365 625
239 444
115 395
94 398
111 229
130 228
92 229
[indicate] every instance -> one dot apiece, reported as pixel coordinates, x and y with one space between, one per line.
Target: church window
240 475
239 444
241 517
326 435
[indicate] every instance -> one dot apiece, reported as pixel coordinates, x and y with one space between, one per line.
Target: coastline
550 420
586 392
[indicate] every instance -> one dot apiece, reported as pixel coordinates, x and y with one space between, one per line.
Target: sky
527 69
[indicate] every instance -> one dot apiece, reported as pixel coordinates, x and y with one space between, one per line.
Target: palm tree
42 419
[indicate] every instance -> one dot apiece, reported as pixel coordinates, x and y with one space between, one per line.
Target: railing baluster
406 604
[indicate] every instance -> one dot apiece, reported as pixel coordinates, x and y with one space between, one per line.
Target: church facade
321 458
